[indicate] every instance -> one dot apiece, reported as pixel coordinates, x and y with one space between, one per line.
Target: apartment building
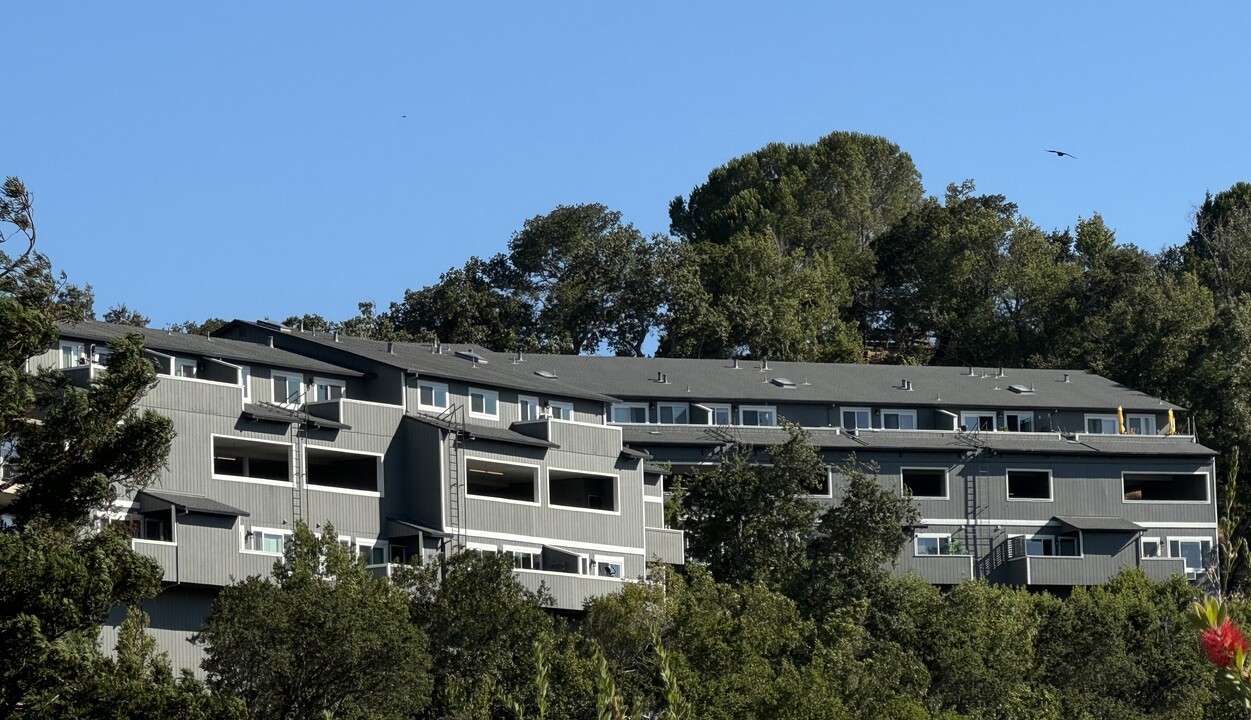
1029 477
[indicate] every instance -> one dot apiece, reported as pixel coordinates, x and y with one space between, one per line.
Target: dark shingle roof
186 344
484 432
153 499
274 413
421 359
1098 524
690 380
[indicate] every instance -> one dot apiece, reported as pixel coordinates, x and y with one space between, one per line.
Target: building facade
1037 478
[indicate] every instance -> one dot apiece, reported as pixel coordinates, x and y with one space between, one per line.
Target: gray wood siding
423 497
569 591
176 614
668 546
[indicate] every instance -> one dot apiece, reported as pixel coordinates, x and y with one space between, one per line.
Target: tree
483 628
58 581
592 280
468 305
855 543
751 522
323 637
191 327
122 315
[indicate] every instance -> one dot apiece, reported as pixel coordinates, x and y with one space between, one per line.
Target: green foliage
123 315
750 522
323 636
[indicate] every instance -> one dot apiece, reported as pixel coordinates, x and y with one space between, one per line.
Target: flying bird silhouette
1061 153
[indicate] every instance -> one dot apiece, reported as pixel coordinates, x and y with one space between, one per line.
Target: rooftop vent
1001 373
905 384
662 378
472 356
520 357
273 325
1066 377
735 366
436 348
1021 389
764 365
783 382
390 348
545 374
971 373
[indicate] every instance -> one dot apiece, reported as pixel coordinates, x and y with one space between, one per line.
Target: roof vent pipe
659 377
519 358
664 378
1066 377
390 348
336 336
971 373
736 363
271 340
765 365
1000 373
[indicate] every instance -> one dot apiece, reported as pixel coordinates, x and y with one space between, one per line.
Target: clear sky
265 159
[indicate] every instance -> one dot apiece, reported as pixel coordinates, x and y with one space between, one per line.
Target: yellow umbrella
1172 423
1120 418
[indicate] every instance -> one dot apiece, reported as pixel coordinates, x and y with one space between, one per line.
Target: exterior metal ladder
297 475
453 418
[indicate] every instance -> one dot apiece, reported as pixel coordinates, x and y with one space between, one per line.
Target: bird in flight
1061 153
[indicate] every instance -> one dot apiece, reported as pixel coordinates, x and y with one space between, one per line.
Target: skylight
783 382
545 374
471 355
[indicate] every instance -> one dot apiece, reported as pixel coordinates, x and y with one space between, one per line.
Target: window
673 413
288 388
372 554
1151 548
1140 424
560 410
826 488
245 379
525 558
937 545
899 419
1101 424
72 355
1165 487
482 548
399 553
609 567
977 421
431 395
857 419
156 526
324 389
575 489
925 482
758 416
720 415
186 368
343 471
484 404
629 413
1193 550
1029 485
266 541
100 356
528 408
1053 546
1019 422
239 458
501 481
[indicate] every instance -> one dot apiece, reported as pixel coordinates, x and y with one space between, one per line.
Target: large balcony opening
925 482
502 481
582 490
345 471
1165 487
1029 485
235 457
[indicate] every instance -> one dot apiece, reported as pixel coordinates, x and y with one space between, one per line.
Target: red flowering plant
1226 647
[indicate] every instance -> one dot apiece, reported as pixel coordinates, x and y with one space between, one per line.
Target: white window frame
378 486
608 560
868 414
1018 415
245 381
978 415
75 348
631 407
743 409
566 408
900 414
714 408
1055 544
1207 489
243 478
1102 418
286 377
536 410
1147 418
1161 548
435 388
492 395
1051 484
946 481
547 490
257 530
539 479
536 556
180 363
829 485
483 547
935 536
1189 539
319 382
673 407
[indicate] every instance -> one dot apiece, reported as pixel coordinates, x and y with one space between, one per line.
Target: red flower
1222 641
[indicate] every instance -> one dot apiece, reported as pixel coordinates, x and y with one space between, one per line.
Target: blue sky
253 159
